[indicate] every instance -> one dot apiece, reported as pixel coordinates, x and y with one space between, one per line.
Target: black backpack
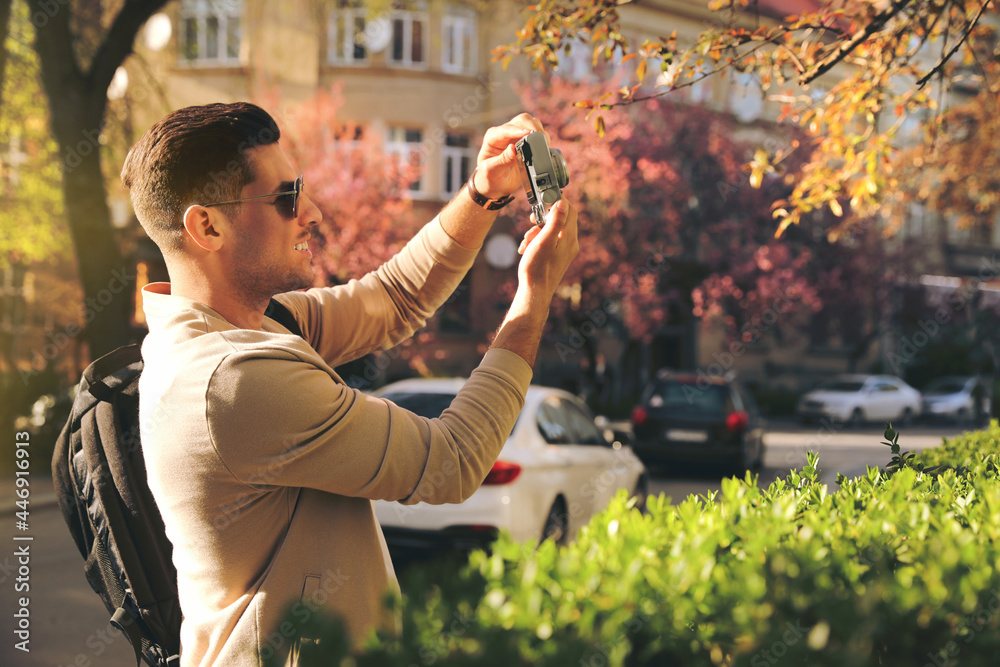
100 481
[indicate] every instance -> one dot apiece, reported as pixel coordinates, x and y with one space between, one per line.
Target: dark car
698 418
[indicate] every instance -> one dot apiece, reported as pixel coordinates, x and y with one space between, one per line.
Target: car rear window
687 396
421 403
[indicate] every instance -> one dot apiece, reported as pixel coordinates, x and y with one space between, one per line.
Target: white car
856 399
556 470
964 399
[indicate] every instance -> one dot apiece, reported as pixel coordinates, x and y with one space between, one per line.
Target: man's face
270 253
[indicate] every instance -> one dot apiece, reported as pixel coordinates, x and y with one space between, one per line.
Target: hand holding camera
518 153
543 173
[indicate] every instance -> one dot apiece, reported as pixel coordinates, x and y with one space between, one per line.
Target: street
69 625
846 450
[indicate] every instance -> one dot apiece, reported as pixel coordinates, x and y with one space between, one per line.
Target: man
263 462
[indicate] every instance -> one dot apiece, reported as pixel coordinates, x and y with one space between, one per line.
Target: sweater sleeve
385 306
277 420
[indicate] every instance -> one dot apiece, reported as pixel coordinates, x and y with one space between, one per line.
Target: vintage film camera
543 175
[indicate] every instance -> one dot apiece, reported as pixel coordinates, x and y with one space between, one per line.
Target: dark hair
195 155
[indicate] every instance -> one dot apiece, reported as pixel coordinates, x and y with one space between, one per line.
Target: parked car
960 398
695 417
555 472
857 399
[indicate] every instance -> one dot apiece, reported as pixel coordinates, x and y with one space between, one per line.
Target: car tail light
479 528
639 415
737 421
502 472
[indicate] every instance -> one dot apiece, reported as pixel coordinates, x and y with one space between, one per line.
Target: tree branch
874 26
945 58
117 43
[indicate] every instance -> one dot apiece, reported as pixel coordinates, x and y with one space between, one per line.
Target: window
562 422
12 297
406 143
457 160
746 97
210 31
347 42
582 430
577 64
10 164
409 38
458 41
551 423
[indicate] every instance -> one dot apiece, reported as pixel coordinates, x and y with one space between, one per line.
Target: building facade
420 76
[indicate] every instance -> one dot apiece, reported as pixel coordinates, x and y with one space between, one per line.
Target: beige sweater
264 462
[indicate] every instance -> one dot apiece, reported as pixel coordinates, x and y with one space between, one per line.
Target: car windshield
945 386
841 385
671 394
422 403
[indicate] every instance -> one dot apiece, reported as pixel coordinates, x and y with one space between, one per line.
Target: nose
309 213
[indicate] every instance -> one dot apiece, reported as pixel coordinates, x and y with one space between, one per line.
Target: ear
204 227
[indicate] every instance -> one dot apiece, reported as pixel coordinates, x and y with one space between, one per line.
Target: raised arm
546 251
400 296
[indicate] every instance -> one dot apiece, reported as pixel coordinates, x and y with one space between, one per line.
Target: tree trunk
108 281
5 11
76 122
77 102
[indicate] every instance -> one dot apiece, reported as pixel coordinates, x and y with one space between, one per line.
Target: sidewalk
42 490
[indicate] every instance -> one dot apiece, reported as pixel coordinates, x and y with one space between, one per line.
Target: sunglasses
289 199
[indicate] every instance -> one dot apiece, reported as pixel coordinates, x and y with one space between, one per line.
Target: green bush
897 567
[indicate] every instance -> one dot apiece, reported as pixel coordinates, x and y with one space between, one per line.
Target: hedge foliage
900 566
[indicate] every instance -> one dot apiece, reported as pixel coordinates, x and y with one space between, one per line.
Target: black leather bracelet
482 200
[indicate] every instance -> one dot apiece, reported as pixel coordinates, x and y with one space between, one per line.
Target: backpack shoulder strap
120 365
280 314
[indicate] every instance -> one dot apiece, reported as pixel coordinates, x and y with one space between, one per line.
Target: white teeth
302 246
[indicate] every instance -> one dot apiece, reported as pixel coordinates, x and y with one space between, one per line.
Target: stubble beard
260 276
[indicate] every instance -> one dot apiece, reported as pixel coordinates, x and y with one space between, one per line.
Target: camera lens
559 167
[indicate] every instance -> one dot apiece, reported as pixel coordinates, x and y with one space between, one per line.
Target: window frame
456 153
336 52
202 11
408 17
404 149
454 20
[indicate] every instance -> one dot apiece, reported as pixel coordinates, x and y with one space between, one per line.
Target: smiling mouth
302 247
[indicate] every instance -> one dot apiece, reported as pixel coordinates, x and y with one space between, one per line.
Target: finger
559 217
506 156
497 138
529 236
526 120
